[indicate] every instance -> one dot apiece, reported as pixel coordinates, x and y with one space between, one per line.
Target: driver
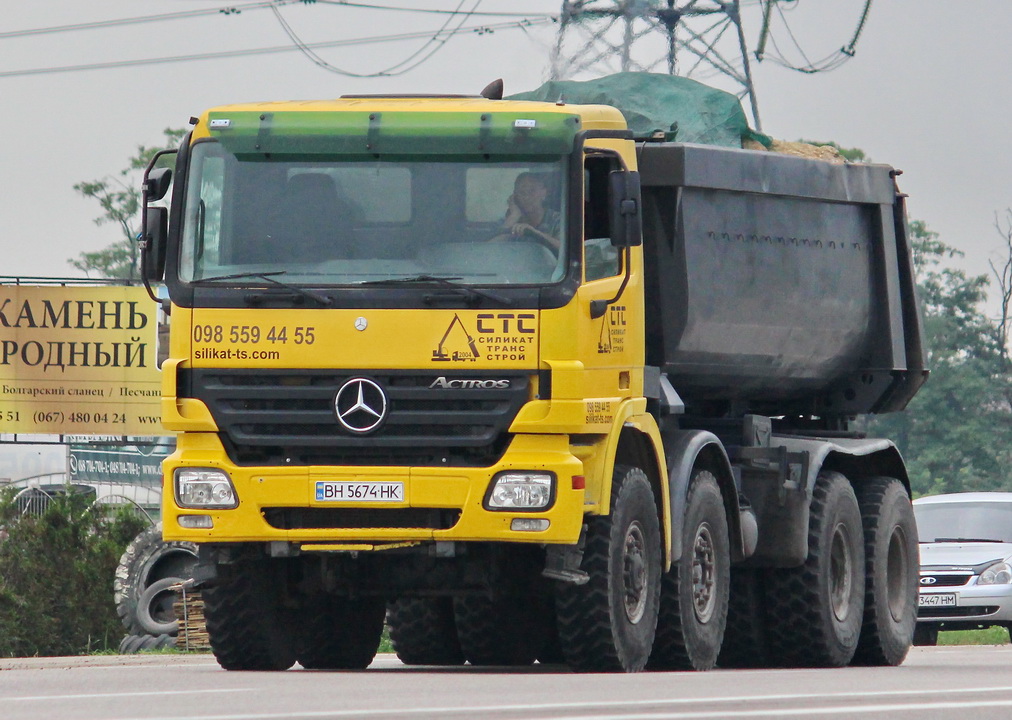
526 213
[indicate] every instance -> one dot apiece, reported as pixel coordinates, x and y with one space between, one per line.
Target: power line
98 24
240 8
478 29
436 41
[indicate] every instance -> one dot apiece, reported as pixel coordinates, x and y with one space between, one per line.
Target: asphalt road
974 683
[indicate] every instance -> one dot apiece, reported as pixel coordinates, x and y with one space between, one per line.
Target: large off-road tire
816 610
245 624
423 632
155 613
608 624
745 638
694 593
891 572
500 630
131 644
146 560
341 633
927 635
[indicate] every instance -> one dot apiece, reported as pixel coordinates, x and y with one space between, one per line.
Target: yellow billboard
79 360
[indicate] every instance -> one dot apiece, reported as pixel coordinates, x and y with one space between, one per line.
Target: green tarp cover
683 109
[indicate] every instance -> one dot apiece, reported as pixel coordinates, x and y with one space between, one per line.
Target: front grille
961 611
361 518
946 580
287 417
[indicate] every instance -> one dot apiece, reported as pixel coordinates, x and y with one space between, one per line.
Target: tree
120 198
956 434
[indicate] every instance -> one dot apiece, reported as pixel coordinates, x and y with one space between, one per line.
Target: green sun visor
389 133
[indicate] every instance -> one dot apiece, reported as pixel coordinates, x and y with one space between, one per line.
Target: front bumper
265 493
974 605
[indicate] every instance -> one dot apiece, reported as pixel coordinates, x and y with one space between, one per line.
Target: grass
990 636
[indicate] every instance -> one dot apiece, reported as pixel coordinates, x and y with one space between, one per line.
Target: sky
926 92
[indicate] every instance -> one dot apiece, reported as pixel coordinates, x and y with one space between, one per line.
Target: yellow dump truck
527 387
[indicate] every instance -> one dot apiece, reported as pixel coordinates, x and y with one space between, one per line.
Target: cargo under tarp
682 110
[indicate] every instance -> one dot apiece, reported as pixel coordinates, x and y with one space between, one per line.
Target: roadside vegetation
57 561
990 636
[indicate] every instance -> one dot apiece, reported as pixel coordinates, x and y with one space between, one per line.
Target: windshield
345 220
964 521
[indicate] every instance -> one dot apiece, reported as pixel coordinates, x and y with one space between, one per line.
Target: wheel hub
704 599
634 573
840 569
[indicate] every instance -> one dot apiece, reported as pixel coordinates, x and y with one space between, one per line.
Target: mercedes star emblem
361 323
361 405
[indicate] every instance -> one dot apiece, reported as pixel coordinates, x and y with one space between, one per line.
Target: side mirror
156 230
625 223
157 183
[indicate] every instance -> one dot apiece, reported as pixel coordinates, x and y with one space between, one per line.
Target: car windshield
967 521
346 220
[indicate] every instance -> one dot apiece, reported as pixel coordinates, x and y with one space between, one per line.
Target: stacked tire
142 589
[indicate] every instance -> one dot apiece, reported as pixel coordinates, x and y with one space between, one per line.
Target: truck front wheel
608 624
422 631
500 630
891 572
816 610
245 623
341 633
694 593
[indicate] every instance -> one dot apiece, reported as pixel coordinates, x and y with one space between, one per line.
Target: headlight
998 574
518 490
204 488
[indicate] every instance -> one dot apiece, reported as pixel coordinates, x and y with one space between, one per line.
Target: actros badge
360 405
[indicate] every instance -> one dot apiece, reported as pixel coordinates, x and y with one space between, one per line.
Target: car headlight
204 488
519 490
998 574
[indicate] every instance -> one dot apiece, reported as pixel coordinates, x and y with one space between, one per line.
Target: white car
966 563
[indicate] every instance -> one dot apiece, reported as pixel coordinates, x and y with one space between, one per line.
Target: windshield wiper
447 282
269 277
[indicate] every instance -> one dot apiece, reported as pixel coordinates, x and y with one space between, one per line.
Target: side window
600 259
203 221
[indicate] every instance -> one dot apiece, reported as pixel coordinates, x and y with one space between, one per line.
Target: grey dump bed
776 284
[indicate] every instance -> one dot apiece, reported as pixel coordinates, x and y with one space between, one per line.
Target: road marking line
146 693
543 707
843 710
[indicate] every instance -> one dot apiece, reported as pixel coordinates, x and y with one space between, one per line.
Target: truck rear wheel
422 631
816 610
608 624
694 593
745 641
499 630
891 572
341 633
245 625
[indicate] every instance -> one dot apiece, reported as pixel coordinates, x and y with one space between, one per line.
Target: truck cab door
612 341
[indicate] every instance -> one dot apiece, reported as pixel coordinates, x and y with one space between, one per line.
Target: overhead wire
831 61
480 29
436 42
237 9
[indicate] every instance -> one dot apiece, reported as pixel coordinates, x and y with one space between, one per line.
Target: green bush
57 562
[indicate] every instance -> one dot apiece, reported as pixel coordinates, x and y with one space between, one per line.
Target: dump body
777 282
